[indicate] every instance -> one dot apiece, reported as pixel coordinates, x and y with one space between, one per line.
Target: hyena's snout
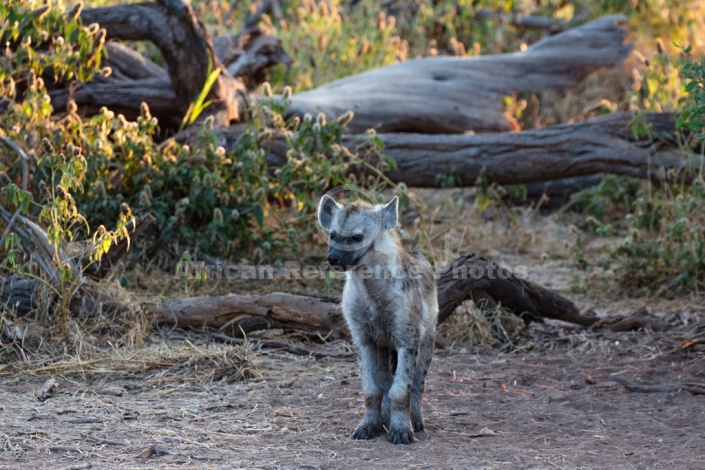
341 258
334 257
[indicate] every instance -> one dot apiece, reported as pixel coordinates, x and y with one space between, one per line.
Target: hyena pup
390 305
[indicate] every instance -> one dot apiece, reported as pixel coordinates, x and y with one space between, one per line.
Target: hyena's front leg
387 365
422 364
371 424
400 431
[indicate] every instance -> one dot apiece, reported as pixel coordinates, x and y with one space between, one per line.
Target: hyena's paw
401 436
366 431
417 424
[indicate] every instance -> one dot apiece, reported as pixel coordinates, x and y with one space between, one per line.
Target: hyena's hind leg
417 388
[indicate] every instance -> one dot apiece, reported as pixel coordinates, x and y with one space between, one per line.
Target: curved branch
173 27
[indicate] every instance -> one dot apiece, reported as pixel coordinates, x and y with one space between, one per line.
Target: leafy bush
662 249
55 208
205 198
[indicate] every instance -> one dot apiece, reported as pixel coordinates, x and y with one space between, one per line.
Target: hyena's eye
357 238
332 236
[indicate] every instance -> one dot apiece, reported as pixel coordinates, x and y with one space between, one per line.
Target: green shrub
661 250
205 198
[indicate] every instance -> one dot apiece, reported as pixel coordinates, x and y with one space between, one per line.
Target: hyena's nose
333 259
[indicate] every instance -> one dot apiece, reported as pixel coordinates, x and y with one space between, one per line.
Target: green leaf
26 199
200 104
259 215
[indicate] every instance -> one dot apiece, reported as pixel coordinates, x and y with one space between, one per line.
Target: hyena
390 305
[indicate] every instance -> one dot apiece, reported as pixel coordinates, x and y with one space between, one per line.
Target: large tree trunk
604 144
457 94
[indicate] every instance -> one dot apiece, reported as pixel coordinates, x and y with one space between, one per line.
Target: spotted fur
390 305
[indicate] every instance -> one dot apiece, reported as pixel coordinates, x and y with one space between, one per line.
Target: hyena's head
353 228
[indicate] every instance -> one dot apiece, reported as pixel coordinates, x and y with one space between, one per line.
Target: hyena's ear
327 209
390 214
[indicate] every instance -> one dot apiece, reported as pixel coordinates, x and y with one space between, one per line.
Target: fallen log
604 144
450 95
467 277
477 278
279 310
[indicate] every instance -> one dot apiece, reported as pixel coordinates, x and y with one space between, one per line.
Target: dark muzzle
341 258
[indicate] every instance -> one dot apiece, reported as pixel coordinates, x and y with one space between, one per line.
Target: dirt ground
183 401
538 407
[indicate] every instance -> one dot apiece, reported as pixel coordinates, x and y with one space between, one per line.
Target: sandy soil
551 407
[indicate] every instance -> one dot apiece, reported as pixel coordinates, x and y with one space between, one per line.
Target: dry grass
455 222
105 315
161 361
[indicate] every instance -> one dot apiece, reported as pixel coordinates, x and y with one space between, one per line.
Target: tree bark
229 313
447 95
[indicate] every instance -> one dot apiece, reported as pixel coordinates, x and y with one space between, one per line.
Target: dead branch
128 64
18 293
136 79
268 6
173 27
473 277
638 319
694 388
249 54
457 94
689 343
521 20
36 243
